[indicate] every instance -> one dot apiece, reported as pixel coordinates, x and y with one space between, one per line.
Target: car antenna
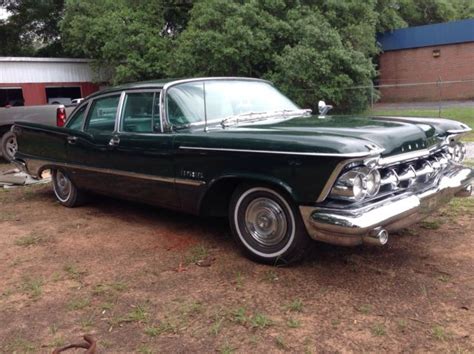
205 107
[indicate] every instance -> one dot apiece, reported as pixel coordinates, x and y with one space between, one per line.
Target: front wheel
65 190
9 146
267 225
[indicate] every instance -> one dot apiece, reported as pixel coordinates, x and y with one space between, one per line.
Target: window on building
11 96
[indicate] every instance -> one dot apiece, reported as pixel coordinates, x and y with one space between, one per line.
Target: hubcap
63 185
11 146
266 221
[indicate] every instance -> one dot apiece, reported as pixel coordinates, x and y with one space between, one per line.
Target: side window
101 117
77 120
141 112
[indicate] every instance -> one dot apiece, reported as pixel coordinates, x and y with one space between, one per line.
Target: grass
378 330
32 239
365 309
295 306
439 333
462 114
73 272
108 289
259 320
293 323
33 287
430 225
19 345
196 254
78 304
280 342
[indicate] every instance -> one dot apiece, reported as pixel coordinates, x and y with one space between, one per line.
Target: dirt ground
128 274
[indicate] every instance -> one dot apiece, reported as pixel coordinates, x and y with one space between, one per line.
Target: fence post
438 83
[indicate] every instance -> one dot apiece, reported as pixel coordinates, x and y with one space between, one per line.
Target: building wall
418 66
35 93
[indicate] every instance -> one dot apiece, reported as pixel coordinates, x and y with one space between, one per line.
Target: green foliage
312 50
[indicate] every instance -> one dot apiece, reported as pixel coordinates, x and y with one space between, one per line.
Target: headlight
373 183
357 184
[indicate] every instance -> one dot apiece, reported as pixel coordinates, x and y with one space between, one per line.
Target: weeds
378 330
78 304
280 343
32 239
295 306
196 254
33 287
439 333
365 309
260 321
430 225
293 323
73 272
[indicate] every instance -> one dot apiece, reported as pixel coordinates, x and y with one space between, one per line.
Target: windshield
190 102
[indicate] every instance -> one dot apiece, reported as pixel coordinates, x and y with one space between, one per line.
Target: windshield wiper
258 116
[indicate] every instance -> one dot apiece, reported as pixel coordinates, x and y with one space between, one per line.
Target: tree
32 28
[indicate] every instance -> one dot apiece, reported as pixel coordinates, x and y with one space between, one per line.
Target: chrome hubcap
11 146
266 221
63 184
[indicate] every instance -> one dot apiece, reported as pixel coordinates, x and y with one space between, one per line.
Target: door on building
62 95
11 96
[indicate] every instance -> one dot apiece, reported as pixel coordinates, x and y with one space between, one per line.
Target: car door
89 145
141 154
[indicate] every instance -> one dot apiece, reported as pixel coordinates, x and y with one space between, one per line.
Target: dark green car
237 147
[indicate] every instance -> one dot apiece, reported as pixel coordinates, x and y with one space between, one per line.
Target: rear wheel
9 146
267 225
65 190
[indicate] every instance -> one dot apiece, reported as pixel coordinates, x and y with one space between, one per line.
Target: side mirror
323 108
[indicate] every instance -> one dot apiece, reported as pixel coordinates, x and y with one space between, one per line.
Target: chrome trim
349 226
405 157
352 154
459 131
38 164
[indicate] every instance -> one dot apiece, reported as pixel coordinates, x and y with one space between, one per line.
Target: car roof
160 84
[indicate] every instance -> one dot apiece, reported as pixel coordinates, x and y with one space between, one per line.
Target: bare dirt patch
127 274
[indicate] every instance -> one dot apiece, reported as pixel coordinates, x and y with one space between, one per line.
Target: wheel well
217 198
4 129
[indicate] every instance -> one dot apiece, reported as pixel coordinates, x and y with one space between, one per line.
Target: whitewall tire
267 225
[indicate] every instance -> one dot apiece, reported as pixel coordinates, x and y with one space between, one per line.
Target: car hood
333 134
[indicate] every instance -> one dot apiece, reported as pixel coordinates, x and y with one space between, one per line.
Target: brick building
428 63
35 81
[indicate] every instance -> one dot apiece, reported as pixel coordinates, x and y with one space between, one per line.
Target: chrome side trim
351 154
185 181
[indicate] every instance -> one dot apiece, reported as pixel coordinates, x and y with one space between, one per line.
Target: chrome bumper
350 227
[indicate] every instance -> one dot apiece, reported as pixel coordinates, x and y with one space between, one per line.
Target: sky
3 14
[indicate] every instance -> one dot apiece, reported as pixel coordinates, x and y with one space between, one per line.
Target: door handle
72 139
114 141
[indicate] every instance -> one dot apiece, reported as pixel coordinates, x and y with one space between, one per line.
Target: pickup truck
54 115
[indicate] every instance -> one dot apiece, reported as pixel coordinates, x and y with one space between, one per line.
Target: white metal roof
44 60
16 70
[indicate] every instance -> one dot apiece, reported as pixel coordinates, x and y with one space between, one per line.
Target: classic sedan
237 147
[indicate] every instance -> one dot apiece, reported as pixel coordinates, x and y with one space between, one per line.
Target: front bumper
354 226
